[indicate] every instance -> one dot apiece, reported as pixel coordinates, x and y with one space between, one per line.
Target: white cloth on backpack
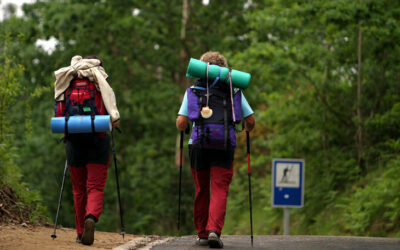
91 69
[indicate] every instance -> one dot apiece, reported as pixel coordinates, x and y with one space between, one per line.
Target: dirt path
38 238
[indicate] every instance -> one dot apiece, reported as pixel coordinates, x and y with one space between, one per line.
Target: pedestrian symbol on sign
287 175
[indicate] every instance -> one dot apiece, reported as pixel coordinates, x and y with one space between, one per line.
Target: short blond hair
214 57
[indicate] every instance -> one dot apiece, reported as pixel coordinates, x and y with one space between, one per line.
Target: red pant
209 214
88 188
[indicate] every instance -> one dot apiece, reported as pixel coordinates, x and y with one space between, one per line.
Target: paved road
288 242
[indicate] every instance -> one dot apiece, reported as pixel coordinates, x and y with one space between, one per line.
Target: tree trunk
359 114
184 54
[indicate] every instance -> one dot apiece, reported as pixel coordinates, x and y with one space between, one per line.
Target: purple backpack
217 131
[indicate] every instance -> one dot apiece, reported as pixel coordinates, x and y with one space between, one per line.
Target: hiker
82 89
212 147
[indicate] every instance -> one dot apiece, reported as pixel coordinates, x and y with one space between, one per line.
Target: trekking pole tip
53 236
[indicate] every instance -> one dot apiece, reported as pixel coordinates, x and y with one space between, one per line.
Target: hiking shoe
79 239
201 241
88 232
214 241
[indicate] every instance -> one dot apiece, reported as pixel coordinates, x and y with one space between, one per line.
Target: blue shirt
246 109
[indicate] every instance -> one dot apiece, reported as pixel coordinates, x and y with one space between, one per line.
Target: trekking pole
116 177
180 179
249 174
59 201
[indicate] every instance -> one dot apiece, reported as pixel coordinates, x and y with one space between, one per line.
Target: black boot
88 232
214 241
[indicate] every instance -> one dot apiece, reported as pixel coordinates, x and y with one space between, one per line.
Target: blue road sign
287 183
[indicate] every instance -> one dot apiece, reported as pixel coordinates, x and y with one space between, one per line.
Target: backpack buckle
86 109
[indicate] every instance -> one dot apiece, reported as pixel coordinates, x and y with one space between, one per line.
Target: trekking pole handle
181 141
187 130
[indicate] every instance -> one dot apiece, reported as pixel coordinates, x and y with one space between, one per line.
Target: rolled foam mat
81 124
198 69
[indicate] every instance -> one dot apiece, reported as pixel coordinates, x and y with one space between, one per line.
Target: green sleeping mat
198 69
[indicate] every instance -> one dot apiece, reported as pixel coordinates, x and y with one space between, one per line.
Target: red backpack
81 98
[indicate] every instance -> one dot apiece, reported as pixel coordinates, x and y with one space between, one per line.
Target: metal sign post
287 186
286 222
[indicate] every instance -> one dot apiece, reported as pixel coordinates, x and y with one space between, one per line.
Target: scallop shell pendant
206 112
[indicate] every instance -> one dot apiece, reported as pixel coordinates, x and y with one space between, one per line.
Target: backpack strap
93 109
216 79
198 87
92 116
226 133
207 136
66 126
93 100
201 122
66 114
67 101
228 75
231 94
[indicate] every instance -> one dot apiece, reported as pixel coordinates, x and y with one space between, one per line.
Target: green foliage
9 87
10 173
373 208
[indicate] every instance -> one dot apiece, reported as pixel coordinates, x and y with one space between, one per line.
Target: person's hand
249 123
115 124
182 122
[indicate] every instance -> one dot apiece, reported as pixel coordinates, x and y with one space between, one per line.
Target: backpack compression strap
66 114
208 94
93 113
66 127
231 90
201 123
216 79
214 82
226 132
